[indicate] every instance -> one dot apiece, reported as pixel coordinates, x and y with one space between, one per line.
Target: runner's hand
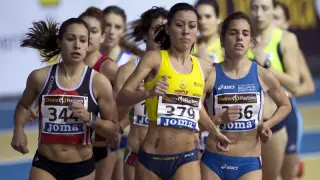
19 141
160 88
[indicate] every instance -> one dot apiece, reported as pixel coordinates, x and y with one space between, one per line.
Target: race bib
249 113
57 118
178 111
140 114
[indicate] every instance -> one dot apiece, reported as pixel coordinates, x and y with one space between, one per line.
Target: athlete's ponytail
162 36
131 47
137 29
43 36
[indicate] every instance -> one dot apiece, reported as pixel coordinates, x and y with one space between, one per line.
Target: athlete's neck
265 34
210 39
71 70
181 56
236 65
111 51
92 58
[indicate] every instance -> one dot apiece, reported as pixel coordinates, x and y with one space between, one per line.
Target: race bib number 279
178 111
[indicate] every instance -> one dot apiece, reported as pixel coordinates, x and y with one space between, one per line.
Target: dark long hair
162 37
138 28
44 34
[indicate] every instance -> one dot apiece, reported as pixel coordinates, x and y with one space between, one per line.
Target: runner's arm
307 85
277 94
130 93
31 92
108 124
289 48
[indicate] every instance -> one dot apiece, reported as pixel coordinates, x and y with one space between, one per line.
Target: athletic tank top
214 51
180 107
101 59
57 124
123 58
272 50
245 92
140 110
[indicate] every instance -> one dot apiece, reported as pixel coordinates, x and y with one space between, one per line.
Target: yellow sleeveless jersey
271 50
214 51
180 107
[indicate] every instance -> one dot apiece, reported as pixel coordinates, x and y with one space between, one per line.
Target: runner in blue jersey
239 81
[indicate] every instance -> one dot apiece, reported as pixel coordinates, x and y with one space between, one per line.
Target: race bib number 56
57 118
178 111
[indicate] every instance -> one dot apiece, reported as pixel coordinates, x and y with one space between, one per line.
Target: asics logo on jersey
229 167
226 87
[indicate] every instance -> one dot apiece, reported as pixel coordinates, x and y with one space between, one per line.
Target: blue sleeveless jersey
245 92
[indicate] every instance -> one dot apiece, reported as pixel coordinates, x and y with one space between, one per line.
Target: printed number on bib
244 113
57 118
140 114
178 111
250 110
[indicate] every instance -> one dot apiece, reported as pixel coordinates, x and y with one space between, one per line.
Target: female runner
291 166
142 29
103 64
276 50
174 87
70 96
240 81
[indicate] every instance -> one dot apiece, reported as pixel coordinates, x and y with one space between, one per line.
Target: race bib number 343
178 111
57 118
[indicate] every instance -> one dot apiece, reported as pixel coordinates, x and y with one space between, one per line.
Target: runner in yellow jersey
208 45
174 89
276 50
294 121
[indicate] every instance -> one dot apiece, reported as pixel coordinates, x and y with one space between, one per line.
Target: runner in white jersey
119 50
70 96
241 82
142 30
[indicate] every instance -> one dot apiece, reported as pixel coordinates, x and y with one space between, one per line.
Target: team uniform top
272 51
123 58
245 92
180 107
57 124
214 51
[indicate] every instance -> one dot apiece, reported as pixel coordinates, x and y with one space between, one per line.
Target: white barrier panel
16 17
